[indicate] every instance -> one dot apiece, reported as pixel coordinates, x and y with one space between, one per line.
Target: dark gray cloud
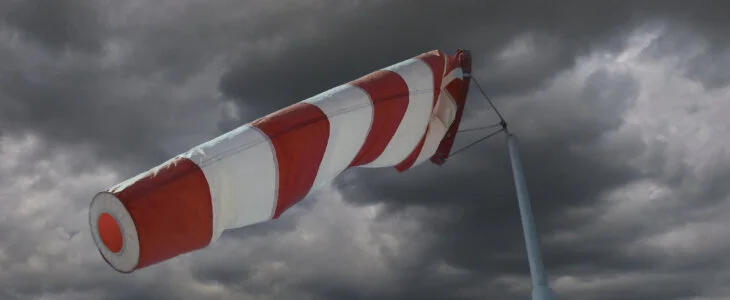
381 32
56 24
625 172
704 55
117 100
368 36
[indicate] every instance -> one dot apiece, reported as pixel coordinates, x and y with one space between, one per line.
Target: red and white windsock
399 116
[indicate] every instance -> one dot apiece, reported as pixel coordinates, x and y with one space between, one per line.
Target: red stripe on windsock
171 209
389 95
459 92
455 87
299 134
435 61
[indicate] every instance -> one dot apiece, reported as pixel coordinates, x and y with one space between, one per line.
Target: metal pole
540 288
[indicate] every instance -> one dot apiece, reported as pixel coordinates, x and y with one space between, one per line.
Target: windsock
399 116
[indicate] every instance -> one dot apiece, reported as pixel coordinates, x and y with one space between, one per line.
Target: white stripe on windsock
350 113
419 78
241 170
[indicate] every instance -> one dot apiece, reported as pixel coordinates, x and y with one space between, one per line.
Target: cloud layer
620 108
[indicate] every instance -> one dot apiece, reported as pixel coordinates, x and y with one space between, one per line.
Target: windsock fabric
399 116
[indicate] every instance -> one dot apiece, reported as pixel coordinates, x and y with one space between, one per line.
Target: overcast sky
622 109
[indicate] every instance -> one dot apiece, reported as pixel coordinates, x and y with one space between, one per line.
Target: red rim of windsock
399 116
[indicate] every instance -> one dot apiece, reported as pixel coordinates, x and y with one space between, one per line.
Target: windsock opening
110 233
114 232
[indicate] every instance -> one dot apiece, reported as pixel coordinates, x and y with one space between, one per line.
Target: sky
620 107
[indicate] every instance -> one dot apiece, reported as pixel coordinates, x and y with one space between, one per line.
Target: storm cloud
621 109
